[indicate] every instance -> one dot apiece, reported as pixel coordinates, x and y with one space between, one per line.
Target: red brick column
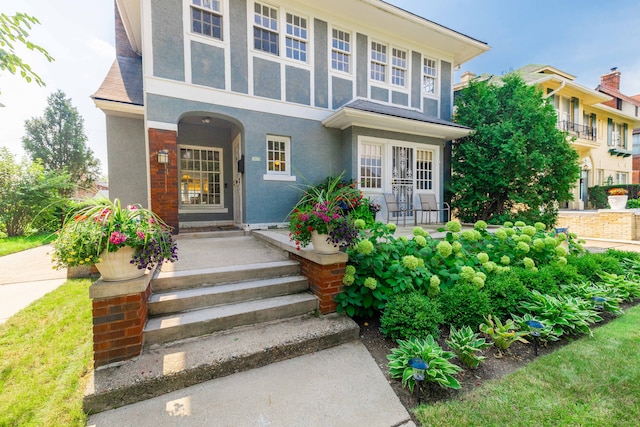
118 321
164 177
325 281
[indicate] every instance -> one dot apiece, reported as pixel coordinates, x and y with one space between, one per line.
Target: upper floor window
429 76
265 28
296 38
398 67
618 135
341 51
378 62
206 18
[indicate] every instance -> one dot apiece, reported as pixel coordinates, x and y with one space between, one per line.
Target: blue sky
585 38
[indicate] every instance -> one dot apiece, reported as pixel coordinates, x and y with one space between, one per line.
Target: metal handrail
581 131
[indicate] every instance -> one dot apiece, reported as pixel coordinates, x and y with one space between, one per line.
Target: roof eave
122 109
132 21
348 117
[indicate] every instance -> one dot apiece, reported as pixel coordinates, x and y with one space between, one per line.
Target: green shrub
440 370
464 305
411 315
588 265
505 292
598 197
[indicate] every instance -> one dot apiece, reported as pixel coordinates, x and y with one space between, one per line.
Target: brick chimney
611 79
467 76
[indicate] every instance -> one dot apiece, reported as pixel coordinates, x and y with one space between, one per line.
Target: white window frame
202 207
426 70
366 156
421 172
273 175
399 67
343 48
622 177
301 38
216 8
380 61
387 166
266 28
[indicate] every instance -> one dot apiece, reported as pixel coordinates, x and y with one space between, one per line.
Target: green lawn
591 382
45 354
10 245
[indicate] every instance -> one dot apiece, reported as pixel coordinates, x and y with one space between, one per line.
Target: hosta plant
546 334
467 345
440 370
624 288
502 334
565 314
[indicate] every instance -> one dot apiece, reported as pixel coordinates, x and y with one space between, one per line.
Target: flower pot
116 266
320 244
617 203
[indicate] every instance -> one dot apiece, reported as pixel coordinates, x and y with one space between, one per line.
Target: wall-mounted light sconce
163 157
206 120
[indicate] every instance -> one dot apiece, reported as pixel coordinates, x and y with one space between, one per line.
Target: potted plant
102 232
322 216
617 198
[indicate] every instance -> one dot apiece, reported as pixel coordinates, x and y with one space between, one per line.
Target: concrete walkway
25 277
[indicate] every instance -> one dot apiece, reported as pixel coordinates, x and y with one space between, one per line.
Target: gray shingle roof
389 110
123 82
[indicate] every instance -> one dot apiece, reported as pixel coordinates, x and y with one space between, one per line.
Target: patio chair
394 207
429 203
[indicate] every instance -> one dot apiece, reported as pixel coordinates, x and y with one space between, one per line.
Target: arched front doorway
210 181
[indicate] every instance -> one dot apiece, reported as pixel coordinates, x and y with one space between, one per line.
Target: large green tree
516 163
59 141
29 196
13 31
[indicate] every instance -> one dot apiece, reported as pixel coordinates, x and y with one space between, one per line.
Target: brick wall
164 178
325 281
118 323
603 224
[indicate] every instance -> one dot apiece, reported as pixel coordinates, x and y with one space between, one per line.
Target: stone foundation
602 224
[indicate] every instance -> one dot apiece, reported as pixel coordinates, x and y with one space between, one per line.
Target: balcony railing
581 131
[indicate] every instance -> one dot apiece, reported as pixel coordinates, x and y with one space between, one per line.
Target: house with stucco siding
216 110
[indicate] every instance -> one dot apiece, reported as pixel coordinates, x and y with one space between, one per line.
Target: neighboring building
610 84
600 133
216 110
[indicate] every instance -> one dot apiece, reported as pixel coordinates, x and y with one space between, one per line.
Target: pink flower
140 234
117 238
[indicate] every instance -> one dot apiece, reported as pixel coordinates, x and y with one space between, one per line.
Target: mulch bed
493 367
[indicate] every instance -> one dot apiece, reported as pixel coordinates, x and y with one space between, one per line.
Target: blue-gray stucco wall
239 52
362 72
416 79
127 158
321 64
298 85
316 153
379 94
431 107
207 65
400 98
168 35
266 78
446 112
342 91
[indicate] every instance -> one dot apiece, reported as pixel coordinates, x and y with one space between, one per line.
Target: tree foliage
29 196
13 30
516 163
59 141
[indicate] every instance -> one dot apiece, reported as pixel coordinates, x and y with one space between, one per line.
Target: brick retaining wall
602 224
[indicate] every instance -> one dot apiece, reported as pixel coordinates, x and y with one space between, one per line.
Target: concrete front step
164 329
195 298
163 369
172 280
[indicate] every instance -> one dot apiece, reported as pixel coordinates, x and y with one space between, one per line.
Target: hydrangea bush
421 263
